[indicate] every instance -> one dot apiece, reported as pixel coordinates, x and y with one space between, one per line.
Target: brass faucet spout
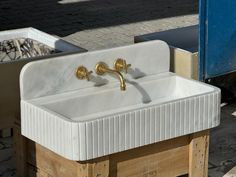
122 80
102 68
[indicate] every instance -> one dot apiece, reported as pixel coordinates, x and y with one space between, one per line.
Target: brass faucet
82 73
121 65
102 68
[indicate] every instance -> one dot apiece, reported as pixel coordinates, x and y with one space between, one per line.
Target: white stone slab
10 70
41 37
231 173
57 75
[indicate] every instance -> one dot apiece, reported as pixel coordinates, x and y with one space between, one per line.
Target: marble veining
57 75
41 37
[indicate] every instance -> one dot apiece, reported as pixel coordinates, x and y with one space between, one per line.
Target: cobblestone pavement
114 36
98 24
109 23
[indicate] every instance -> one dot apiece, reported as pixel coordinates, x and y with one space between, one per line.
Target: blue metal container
217 38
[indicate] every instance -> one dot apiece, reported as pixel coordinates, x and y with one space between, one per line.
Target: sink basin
139 95
87 123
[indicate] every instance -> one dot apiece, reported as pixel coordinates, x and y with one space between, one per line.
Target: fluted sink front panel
126 130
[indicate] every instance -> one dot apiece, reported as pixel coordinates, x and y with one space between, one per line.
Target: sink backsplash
57 75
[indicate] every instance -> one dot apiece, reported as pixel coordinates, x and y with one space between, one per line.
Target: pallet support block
20 150
198 154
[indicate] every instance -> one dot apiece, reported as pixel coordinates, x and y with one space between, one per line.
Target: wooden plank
198 154
20 152
34 172
172 158
145 161
49 162
57 166
195 69
94 168
100 168
182 62
156 165
164 159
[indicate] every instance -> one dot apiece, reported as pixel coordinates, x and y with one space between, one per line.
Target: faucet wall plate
121 65
83 73
100 68
155 53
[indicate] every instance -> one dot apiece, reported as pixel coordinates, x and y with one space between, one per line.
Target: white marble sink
82 122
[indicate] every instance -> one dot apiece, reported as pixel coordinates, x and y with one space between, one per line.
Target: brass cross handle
83 73
121 65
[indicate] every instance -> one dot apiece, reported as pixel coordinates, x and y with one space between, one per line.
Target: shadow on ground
66 17
223 143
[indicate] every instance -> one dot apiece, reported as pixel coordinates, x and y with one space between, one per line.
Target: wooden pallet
179 157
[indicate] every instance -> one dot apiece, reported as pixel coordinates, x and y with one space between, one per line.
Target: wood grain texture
20 152
198 154
186 155
184 63
147 161
152 160
195 64
57 166
34 172
49 162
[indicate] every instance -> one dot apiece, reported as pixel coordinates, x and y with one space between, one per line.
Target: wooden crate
10 73
183 43
20 149
179 157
